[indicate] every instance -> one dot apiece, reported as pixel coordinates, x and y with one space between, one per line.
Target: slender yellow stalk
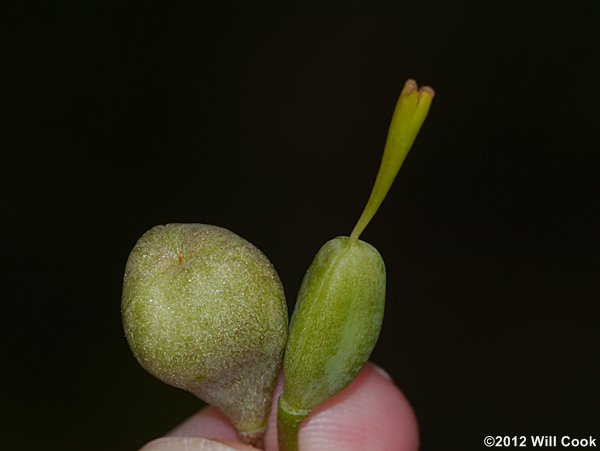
409 115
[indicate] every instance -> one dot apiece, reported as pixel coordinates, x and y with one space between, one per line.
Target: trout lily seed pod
204 310
340 305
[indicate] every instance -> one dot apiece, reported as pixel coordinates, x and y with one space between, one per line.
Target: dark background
270 121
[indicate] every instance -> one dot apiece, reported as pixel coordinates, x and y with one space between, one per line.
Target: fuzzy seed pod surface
204 310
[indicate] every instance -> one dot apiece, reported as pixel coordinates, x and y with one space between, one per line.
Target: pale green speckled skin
336 322
204 310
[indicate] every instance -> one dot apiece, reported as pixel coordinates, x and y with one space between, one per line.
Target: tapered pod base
288 423
256 439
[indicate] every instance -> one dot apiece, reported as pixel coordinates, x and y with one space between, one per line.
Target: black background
270 121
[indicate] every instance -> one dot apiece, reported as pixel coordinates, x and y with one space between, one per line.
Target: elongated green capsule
340 305
204 310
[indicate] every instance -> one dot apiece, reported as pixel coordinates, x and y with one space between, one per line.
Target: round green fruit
204 310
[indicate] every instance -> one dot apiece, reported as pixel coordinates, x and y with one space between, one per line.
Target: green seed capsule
204 310
340 306
336 322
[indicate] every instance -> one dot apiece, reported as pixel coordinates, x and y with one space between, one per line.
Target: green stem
288 424
409 115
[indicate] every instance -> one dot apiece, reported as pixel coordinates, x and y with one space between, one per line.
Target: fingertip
371 413
192 444
208 423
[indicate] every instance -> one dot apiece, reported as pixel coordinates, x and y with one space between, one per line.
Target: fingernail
185 444
383 372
